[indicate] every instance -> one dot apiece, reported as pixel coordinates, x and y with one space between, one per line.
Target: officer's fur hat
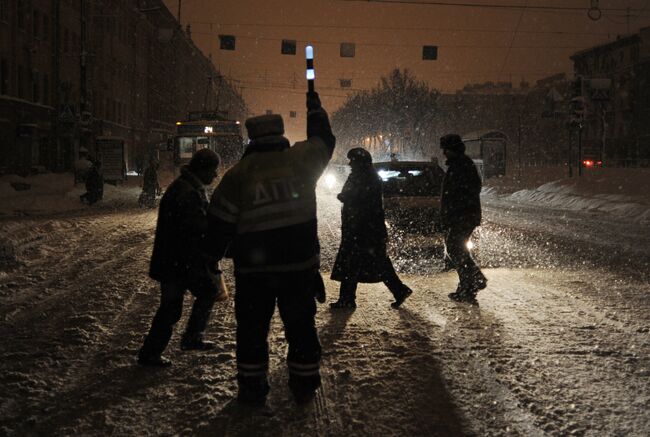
265 127
452 142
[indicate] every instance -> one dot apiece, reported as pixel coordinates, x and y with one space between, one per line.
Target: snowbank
623 193
55 192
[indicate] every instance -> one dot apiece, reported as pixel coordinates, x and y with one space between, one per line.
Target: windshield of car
415 180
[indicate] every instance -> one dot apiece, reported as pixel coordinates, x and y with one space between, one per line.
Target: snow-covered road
559 345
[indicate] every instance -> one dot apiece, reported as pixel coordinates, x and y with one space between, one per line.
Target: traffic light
577 87
578 110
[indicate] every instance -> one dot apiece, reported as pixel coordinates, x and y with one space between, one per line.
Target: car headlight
330 180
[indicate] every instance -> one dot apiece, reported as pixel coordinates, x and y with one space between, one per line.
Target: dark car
411 191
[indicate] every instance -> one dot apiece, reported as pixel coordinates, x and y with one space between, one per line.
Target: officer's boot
252 390
304 388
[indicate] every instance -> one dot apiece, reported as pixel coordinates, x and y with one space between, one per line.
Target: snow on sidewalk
47 194
619 192
50 193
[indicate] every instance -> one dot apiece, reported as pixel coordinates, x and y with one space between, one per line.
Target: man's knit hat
452 142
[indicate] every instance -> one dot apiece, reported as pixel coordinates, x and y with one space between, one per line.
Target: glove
313 101
318 288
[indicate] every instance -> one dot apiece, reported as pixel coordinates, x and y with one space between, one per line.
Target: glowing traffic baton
311 75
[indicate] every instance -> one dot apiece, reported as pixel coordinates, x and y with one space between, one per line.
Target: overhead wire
492 5
512 40
400 28
368 44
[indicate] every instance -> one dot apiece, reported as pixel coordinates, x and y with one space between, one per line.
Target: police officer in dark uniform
460 214
264 213
362 254
179 264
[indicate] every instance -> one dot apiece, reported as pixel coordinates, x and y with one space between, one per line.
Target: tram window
185 147
473 149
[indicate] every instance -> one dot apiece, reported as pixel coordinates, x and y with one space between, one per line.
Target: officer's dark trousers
255 299
169 313
348 291
456 243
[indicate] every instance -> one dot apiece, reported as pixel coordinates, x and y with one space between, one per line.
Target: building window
4 10
36 24
66 41
36 95
292 114
46 27
21 82
20 18
46 89
4 76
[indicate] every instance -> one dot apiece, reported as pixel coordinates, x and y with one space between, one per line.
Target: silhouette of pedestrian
94 183
362 254
460 214
150 186
179 264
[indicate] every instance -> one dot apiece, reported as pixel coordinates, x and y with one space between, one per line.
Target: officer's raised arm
318 124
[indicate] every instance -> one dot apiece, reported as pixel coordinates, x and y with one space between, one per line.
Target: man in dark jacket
150 186
460 214
264 213
362 254
179 264
94 183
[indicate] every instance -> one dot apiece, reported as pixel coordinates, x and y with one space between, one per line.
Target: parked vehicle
411 191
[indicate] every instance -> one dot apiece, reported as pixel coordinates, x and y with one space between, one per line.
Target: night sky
475 44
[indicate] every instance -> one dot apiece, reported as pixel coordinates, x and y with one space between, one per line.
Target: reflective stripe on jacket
269 198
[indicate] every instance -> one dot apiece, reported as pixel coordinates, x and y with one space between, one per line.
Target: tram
208 130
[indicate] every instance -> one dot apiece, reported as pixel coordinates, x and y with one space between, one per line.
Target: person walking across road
362 254
460 214
94 181
264 214
150 186
179 263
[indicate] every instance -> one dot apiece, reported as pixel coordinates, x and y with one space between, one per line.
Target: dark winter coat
362 254
94 184
181 231
150 180
460 204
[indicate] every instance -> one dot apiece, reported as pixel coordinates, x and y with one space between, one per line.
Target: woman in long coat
362 254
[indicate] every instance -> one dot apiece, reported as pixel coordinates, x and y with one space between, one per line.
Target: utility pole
519 146
56 86
83 89
580 149
180 2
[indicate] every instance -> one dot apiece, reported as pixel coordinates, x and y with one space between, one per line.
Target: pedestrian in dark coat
460 214
150 185
94 183
178 261
362 254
